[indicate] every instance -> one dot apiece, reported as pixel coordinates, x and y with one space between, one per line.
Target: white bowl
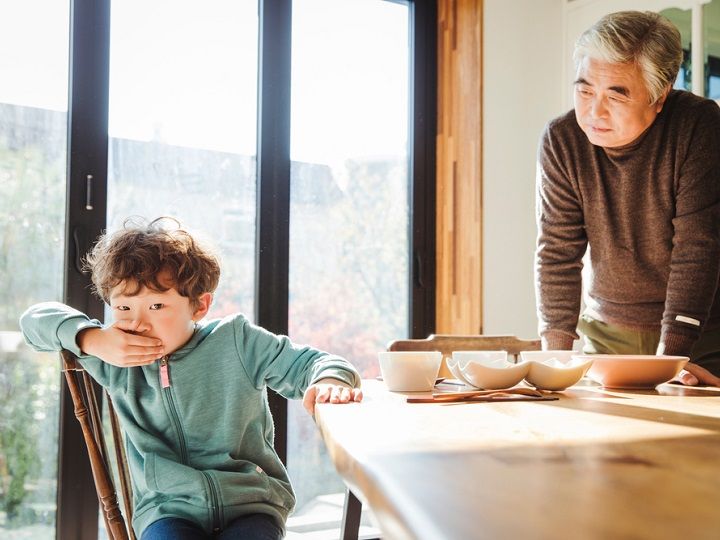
541 356
489 369
633 371
554 370
454 367
410 371
479 356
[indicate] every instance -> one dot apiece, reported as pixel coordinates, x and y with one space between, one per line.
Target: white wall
522 91
528 74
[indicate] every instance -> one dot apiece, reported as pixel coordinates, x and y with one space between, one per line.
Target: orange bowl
633 370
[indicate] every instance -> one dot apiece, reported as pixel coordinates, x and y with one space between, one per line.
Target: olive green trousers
603 338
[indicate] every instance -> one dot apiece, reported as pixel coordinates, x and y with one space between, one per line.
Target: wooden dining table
594 464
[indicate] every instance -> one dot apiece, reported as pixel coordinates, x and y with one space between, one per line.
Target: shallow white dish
489 370
454 368
554 370
409 371
632 371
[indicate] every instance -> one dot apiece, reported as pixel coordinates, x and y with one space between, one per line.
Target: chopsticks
509 394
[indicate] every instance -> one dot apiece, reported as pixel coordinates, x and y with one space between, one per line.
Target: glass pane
711 20
183 80
681 19
33 124
349 211
711 45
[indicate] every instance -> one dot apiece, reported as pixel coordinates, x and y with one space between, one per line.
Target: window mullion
86 207
273 177
423 127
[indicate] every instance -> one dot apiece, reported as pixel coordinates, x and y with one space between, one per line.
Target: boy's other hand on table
121 344
329 391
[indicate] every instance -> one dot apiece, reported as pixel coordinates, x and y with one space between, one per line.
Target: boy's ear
204 302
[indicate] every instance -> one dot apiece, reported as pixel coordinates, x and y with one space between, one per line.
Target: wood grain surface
595 464
459 168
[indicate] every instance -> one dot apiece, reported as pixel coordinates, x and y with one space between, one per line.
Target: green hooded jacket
200 448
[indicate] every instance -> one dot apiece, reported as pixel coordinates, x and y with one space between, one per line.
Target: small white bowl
541 356
555 370
479 356
489 369
410 371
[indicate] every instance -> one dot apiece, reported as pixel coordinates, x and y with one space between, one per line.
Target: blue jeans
250 527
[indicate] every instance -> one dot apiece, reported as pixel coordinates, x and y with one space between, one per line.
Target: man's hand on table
694 375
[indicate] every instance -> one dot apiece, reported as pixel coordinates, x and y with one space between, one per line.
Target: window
350 188
177 108
33 124
712 86
710 28
183 142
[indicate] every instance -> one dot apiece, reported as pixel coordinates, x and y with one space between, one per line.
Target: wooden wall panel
459 167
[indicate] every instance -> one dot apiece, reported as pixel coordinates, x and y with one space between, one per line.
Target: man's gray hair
643 38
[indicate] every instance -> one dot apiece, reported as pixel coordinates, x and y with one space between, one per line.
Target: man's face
167 315
612 104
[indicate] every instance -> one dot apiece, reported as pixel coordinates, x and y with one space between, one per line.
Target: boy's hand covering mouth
132 327
121 344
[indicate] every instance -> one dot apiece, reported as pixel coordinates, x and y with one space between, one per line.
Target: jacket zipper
174 417
214 501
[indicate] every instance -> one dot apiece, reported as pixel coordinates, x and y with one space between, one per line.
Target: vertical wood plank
459 167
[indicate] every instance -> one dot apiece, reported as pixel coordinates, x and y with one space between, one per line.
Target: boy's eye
122 308
156 306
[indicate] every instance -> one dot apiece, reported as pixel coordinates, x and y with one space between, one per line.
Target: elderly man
633 175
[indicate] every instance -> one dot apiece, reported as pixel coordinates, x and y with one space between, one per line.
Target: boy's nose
142 327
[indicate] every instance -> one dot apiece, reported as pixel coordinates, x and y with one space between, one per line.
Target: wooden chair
446 344
82 390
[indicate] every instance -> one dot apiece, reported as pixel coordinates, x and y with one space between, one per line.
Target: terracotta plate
633 371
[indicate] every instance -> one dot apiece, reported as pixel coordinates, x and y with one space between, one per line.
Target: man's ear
661 100
203 305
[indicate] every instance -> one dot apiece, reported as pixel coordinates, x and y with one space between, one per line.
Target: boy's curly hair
141 251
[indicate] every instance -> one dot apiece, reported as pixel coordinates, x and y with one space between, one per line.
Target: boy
190 394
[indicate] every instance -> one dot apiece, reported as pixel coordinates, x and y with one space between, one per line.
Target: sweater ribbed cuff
557 341
675 344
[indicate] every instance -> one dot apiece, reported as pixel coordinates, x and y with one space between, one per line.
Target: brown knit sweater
650 213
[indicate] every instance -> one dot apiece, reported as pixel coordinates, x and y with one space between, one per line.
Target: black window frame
86 207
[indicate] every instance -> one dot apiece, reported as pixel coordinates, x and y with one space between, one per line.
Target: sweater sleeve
561 244
52 326
285 367
695 257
